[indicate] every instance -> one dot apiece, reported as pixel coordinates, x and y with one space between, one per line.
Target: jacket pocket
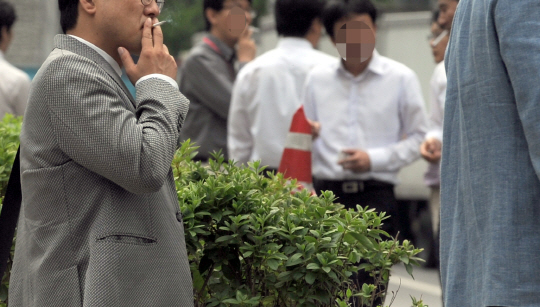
128 239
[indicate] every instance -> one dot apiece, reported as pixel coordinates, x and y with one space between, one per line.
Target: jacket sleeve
517 23
95 128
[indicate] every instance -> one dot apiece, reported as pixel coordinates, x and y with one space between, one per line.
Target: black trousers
372 193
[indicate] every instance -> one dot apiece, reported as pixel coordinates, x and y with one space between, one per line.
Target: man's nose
152 10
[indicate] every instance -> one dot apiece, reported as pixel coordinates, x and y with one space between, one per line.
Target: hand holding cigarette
154 57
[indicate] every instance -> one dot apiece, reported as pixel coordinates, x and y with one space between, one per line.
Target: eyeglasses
160 3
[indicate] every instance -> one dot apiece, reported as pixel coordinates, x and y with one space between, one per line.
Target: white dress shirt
14 88
380 111
438 97
117 68
265 97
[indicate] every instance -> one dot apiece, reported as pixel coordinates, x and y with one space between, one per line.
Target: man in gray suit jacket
490 188
100 222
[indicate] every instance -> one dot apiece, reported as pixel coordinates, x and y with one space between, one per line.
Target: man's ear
316 27
88 6
211 15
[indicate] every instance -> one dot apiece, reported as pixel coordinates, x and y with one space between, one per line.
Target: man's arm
519 39
414 126
239 138
94 127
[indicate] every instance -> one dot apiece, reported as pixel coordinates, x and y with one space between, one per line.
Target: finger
147 35
158 36
165 49
126 59
247 32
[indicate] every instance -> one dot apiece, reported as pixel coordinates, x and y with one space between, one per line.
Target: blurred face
447 10
233 19
355 38
120 22
438 42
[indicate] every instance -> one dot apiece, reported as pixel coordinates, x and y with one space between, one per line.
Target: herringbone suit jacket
100 222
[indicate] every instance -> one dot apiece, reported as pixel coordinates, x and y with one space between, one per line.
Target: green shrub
10 128
252 242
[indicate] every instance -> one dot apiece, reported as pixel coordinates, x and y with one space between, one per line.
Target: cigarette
159 23
439 38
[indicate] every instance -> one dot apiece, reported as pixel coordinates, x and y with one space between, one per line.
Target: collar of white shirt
376 65
294 43
104 54
1 55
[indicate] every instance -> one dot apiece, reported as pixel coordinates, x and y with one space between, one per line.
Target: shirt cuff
437 134
379 159
159 76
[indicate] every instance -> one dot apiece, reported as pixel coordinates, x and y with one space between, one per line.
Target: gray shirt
206 79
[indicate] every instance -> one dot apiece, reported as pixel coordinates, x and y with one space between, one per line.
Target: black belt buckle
351 187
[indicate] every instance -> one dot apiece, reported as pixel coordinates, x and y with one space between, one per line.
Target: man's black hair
295 17
337 10
69 12
216 5
7 16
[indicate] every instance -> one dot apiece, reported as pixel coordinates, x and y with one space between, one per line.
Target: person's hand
154 58
315 128
356 160
246 47
431 150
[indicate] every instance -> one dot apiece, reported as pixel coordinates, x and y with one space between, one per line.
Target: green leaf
273 264
294 259
224 238
313 266
310 278
326 269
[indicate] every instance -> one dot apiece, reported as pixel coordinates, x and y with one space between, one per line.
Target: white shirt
380 111
438 97
265 97
117 68
14 88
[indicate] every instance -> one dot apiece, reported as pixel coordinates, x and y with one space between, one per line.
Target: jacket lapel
75 46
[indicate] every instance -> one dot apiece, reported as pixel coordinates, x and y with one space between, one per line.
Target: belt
352 186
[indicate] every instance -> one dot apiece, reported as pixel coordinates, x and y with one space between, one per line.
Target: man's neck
89 38
356 68
221 37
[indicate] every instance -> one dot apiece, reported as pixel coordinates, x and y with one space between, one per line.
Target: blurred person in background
267 91
371 114
490 166
14 83
208 73
431 148
447 9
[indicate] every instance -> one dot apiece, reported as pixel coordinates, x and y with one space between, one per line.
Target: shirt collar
294 43
104 54
226 51
1 55
376 65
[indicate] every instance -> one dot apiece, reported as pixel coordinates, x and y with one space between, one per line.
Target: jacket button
179 216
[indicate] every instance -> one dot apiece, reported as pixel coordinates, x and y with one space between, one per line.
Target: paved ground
425 285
